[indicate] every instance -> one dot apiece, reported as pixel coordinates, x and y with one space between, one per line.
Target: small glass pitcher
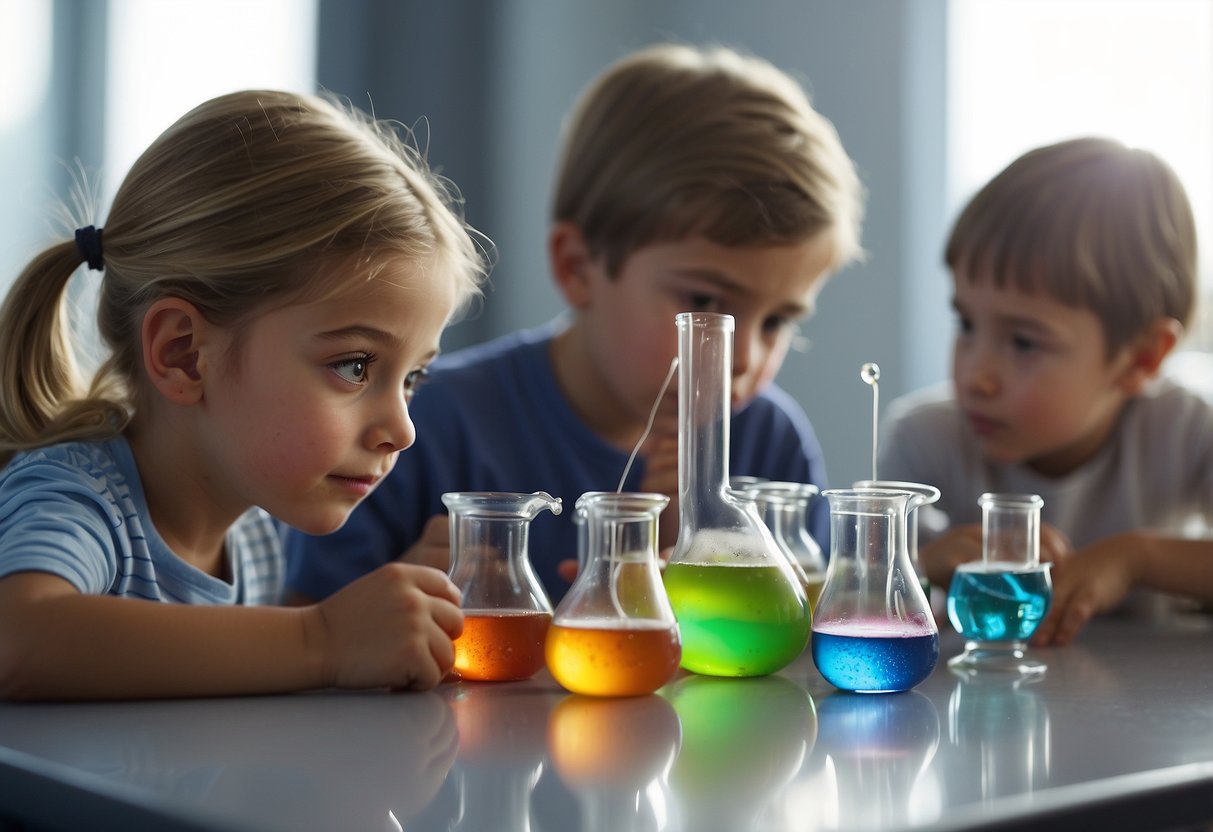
614 633
996 603
741 609
873 631
506 611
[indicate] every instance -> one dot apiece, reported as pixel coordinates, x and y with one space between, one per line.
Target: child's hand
393 627
433 548
1085 584
939 558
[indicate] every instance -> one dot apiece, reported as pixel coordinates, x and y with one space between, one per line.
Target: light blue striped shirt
77 510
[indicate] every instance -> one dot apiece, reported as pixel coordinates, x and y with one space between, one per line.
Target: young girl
275 273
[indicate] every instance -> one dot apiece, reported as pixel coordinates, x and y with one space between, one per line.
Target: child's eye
354 370
778 324
1022 343
697 302
414 380
963 325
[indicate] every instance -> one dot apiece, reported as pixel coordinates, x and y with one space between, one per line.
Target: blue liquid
986 604
875 663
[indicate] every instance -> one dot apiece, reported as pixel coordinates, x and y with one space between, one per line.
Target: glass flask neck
705 370
1010 529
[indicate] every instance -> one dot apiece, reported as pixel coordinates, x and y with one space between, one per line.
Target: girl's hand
393 627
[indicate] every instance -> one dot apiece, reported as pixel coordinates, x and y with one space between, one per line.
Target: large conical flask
873 631
506 611
614 633
741 609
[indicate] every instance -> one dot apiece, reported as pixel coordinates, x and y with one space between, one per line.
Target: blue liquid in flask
878 659
988 603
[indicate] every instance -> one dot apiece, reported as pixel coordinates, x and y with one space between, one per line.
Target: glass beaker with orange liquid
506 612
614 633
741 609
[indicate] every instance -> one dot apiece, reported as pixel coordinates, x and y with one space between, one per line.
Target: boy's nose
978 373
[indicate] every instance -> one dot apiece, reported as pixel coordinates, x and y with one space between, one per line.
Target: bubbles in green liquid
737 619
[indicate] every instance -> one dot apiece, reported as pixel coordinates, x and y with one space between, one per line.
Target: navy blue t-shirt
492 418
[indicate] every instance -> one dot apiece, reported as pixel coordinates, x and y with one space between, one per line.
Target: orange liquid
613 660
501 646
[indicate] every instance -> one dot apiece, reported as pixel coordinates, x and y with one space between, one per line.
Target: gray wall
495 79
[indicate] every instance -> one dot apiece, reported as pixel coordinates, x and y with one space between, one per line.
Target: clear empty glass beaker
784 508
923 495
998 602
506 611
873 631
740 607
614 633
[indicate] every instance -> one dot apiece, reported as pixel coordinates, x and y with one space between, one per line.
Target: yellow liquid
605 659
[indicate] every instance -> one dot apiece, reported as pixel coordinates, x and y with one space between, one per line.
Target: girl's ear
172 334
570 262
1147 353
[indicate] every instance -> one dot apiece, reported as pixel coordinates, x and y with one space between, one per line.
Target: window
1024 73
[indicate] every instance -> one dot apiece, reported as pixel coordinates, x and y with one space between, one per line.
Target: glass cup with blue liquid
998 602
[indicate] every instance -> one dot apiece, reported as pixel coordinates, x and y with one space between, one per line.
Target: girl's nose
392 429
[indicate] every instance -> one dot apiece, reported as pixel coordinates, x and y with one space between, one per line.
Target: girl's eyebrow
371 333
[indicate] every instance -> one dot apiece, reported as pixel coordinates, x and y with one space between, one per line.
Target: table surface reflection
1117 734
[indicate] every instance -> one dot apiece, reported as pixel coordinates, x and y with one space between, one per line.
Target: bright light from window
167 57
1029 72
25 42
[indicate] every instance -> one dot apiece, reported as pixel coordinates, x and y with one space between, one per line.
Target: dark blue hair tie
88 244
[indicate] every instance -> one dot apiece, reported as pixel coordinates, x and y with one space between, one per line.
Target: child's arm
393 627
1099 576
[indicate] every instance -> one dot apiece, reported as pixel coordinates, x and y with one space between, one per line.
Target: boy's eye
963 324
1022 343
414 380
354 370
778 324
696 302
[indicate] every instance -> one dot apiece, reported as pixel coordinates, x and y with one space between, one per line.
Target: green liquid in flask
737 620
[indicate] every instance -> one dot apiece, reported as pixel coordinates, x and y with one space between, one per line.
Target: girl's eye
414 380
354 370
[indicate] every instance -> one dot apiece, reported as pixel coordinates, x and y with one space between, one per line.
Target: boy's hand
433 548
1091 581
393 627
939 558
660 454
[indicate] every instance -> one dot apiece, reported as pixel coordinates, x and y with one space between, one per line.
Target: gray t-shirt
1155 472
77 510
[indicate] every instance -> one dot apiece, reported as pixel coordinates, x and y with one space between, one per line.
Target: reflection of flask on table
879 748
506 611
615 755
873 631
998 602
742 742
740 608
502 747
614 633
1002 728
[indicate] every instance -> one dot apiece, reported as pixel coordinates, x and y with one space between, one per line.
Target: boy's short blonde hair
1092 223
675 141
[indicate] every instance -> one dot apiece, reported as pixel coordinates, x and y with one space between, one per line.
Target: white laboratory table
1118 734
